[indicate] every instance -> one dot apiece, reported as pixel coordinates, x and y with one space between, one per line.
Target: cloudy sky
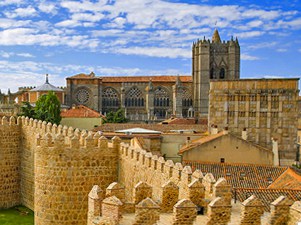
141 37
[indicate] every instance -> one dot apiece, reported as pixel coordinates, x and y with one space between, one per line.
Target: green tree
48 108
27 110
115 117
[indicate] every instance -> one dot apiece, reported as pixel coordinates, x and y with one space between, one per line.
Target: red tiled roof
267 196
179 121
118 79
240 175
288 180
209 138
201 141
146 79
83 76
80 111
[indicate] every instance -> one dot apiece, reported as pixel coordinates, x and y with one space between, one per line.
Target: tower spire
215 37
47 82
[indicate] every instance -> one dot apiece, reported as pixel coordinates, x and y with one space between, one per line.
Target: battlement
9 121
204 41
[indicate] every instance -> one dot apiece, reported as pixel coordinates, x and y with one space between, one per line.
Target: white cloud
27 36
25 55
248 57
281 50
11 23
263 14
29 73
74 6
87 17
4 54
156 52
255 23
68 23
11 2
249 34
294 24
260 45
47 7
22 12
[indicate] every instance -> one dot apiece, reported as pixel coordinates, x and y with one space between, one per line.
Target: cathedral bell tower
212 60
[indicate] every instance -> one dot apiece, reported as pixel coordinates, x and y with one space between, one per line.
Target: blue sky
141 37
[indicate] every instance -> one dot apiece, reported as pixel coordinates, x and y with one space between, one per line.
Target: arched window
134 98
186 101
110 100
161 102
222 73
187 98
161 97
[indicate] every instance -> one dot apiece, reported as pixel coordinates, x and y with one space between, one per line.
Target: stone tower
212 60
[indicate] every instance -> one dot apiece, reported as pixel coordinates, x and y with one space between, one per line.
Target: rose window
82 96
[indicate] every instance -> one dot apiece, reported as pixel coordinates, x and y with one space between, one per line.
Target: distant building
212 60
142 97
31 95
81 117
226 148
266 108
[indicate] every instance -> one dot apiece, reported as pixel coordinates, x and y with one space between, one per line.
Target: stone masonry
9 163
252 209
64 164
266 108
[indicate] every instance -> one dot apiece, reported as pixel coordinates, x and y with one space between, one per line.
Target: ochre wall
9 163
81 123
51 169
27 165
172 143
137 165
232 149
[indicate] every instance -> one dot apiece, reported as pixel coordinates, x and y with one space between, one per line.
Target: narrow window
222 73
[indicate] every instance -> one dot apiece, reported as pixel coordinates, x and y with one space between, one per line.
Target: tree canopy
48 108
116 117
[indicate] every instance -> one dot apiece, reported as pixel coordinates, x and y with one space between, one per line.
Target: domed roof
47 87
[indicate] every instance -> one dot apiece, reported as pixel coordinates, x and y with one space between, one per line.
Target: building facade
266 108
143 97
212 60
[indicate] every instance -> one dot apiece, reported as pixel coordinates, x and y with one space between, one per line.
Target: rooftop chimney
275 151
225 131
244 134
188 141
214 129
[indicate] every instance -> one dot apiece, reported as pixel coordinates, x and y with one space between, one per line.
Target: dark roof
47 87
240 175
267 196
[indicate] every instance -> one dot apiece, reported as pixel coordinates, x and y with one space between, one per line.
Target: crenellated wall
9 163
50 168
138 165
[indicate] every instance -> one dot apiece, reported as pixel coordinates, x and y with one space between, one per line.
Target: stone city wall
9 163
50 168
66 167
138 165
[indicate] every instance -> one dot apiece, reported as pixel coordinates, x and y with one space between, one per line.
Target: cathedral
266 108
159 97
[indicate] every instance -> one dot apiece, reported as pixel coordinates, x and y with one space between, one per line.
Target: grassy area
18 215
